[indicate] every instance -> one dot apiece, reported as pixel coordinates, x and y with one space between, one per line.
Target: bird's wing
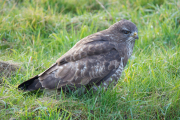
86 63
91 45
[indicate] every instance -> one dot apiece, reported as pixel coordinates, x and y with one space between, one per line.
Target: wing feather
91 45
87 63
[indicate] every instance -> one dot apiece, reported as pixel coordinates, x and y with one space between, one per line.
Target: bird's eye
125 31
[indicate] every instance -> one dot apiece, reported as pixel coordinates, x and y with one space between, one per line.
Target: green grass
37 32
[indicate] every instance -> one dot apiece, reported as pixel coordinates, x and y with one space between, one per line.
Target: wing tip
30 84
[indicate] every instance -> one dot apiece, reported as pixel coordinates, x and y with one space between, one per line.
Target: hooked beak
135 35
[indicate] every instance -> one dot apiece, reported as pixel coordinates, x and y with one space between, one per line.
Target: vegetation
37 32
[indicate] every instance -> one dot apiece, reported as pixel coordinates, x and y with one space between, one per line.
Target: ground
36 33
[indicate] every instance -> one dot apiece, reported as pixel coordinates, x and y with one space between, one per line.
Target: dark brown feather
31 84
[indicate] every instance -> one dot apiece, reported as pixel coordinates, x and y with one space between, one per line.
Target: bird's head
125 30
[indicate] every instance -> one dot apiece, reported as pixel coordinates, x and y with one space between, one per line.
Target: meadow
35 33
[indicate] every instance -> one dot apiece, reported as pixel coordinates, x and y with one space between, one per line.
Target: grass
36 33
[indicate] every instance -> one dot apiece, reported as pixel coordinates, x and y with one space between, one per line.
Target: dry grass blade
104 9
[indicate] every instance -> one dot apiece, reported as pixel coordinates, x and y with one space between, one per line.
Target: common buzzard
95 61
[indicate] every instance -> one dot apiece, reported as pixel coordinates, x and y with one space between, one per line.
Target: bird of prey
96 61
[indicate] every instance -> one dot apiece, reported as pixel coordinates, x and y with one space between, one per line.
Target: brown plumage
96 60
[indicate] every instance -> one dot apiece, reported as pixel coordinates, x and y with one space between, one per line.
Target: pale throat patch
130 45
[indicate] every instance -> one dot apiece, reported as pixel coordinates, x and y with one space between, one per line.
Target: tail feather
31 84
